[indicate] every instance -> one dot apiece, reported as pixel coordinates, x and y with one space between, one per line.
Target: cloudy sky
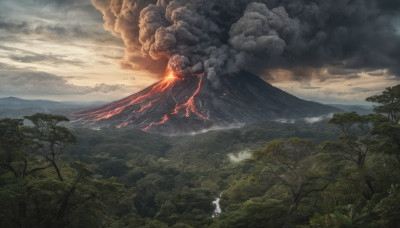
64 50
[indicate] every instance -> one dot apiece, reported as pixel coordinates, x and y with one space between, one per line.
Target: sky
73 50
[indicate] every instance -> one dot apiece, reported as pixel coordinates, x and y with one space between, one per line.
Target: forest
342 172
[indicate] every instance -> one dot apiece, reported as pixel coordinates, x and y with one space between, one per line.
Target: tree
388 129
17 149
356 138
294 163
354 144
389 102
11 141
53 137
45 200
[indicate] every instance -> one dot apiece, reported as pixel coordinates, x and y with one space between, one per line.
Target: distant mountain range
13 107
360 109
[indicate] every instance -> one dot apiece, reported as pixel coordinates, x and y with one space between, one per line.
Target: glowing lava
146 101
118 106
190 104
165 118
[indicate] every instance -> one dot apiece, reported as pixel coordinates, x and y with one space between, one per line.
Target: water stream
217 210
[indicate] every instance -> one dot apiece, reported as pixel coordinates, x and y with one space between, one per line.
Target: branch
9 167
316 190
280 178
75 206
25 167
37 169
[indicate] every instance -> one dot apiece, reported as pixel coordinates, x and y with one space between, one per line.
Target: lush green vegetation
344 173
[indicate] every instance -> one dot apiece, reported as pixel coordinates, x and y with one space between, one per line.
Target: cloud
59 31
53 59
58 20
14 81
317 119
25 56
240 156
311 87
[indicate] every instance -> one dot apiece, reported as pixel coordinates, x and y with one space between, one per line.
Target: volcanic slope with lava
178 105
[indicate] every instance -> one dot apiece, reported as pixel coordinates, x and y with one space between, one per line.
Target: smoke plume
218 36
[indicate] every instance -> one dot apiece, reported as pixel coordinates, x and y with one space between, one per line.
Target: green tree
388 208
52 136
388 129
294 163
32 199
389 102
17 149
356 139
354 146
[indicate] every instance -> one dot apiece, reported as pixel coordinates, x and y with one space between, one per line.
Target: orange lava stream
146 106
107 113
190 105
117 107
165 118
125 124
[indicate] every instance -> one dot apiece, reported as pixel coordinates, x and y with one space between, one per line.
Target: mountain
360 109
13 107
183 105
17 103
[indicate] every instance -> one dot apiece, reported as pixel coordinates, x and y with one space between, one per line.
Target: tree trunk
367 189
54 164
295 202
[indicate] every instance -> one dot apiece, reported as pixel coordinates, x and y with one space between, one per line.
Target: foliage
294 164
389 102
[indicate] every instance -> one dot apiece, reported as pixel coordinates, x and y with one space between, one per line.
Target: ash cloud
218 36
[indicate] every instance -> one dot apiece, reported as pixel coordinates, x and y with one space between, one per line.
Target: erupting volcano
213 37
178 105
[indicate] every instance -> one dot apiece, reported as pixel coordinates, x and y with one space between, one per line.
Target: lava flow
190 104
140 102
165 118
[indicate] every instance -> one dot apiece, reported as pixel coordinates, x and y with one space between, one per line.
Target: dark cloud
215 36
14 27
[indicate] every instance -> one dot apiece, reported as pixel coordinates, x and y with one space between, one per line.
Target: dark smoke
218 36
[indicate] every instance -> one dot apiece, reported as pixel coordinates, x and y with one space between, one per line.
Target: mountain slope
178 106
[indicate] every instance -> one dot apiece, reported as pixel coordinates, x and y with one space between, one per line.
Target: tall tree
18 150
52 135
389 103
354 144
388 129
294 164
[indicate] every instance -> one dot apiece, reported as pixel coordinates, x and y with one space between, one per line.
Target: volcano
178 105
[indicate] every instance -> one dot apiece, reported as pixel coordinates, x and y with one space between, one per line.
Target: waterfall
217 210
